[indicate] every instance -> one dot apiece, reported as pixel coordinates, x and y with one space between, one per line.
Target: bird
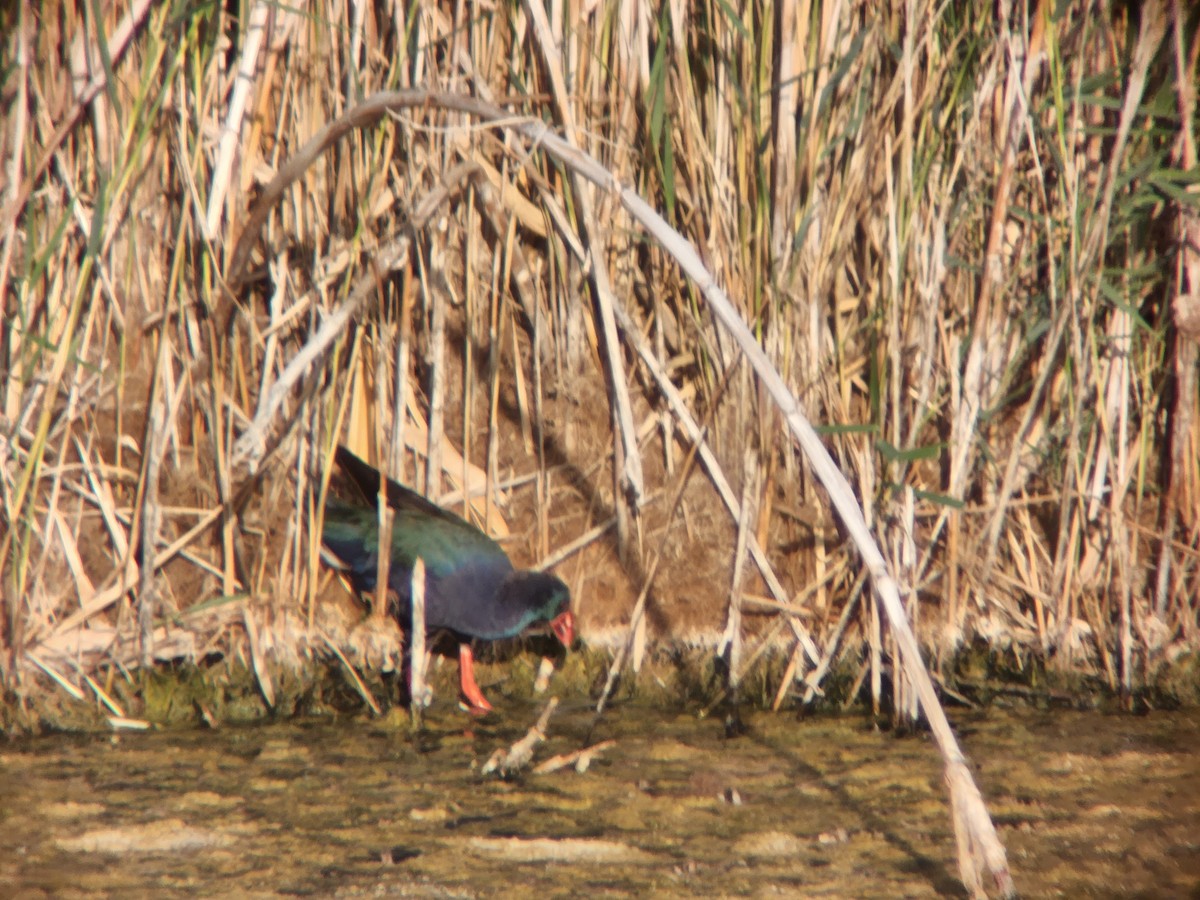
472 589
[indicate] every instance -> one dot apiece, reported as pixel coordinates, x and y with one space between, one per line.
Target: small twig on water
508 762
580 759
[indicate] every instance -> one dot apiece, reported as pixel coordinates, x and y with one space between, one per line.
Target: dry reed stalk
904 559
120 722
731 640
631 643
522 391
400 399
386 518
638 632
252 444
257 660
147 506
292 571
385 407
471 325
70 549
149 514
103 696
326 467
875 642
628 479
790 42
832 643
419 691
495 347
711 465
15 165
115 50
228 146
55 676
435 308
1183 480
566 551
985 350
359 684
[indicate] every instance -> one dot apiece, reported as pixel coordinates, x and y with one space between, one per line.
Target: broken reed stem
148 502
467 356
567 550
580 759
508 762
832 642
731 640
383 559
639 610
257 660
229 144
637 634
359 684
435 304
418 690
400 400
493 425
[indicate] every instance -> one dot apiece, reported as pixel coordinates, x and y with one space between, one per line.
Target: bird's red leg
477 704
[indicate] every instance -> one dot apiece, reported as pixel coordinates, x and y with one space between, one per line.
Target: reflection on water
1086 803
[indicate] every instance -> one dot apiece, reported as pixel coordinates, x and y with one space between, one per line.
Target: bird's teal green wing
445 541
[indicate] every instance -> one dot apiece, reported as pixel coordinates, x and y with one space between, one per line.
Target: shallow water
1087 804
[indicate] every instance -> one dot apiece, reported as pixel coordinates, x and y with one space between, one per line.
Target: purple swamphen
471 588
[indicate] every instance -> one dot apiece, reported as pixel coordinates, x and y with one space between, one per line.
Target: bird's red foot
472 697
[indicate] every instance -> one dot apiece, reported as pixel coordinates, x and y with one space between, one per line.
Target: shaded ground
1087 804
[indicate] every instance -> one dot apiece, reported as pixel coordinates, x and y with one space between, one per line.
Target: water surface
1087 804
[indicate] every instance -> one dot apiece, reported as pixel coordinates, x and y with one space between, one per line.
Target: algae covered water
1086 803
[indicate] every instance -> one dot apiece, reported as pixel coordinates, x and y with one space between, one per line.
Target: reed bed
964 236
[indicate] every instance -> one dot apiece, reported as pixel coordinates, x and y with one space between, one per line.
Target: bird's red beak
563 626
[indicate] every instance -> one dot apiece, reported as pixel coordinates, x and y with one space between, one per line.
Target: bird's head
543 598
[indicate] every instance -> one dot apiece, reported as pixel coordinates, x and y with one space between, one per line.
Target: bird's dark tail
365 478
